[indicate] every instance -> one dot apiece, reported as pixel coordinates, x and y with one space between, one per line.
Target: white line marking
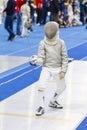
21 50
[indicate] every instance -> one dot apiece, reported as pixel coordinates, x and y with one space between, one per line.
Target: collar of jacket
52 41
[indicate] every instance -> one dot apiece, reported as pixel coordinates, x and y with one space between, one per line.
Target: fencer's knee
40 89
61 89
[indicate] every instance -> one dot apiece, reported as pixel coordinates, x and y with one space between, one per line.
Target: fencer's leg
41 97
44 76
40 110
55 96
60 83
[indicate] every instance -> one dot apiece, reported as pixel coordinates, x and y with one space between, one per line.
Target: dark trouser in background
9 25
18 18
39 15
54 17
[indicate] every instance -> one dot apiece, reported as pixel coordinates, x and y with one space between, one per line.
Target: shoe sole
40 114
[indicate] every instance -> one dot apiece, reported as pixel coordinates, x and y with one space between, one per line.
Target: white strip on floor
18 111
10 62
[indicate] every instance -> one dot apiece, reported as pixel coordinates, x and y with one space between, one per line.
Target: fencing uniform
52 55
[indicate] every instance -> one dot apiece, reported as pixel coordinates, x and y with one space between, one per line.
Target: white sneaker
40 111
55 104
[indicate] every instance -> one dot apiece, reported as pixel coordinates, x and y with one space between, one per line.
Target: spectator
2 6
61 21
19 3
86 12
54 8
45 10
25 11
75 20
10 13
39 5
70 13
32 9
82 11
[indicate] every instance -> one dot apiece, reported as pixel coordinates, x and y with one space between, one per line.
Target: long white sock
55 97
41 98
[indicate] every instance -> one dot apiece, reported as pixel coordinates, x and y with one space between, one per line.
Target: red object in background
19 3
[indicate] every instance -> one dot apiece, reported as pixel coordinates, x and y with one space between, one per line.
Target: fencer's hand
33 60
61 75
32 63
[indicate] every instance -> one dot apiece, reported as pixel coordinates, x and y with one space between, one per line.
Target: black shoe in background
12 37
9 38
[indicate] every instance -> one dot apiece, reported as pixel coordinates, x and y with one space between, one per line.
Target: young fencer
52 55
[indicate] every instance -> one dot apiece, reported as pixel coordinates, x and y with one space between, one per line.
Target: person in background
25 12
70 13
45 10
85 11
82 11
10 13
19 3
39 5
54 9
75 20
2 6
32 11
61 21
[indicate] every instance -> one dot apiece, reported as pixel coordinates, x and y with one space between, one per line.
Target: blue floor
74 37
83 125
